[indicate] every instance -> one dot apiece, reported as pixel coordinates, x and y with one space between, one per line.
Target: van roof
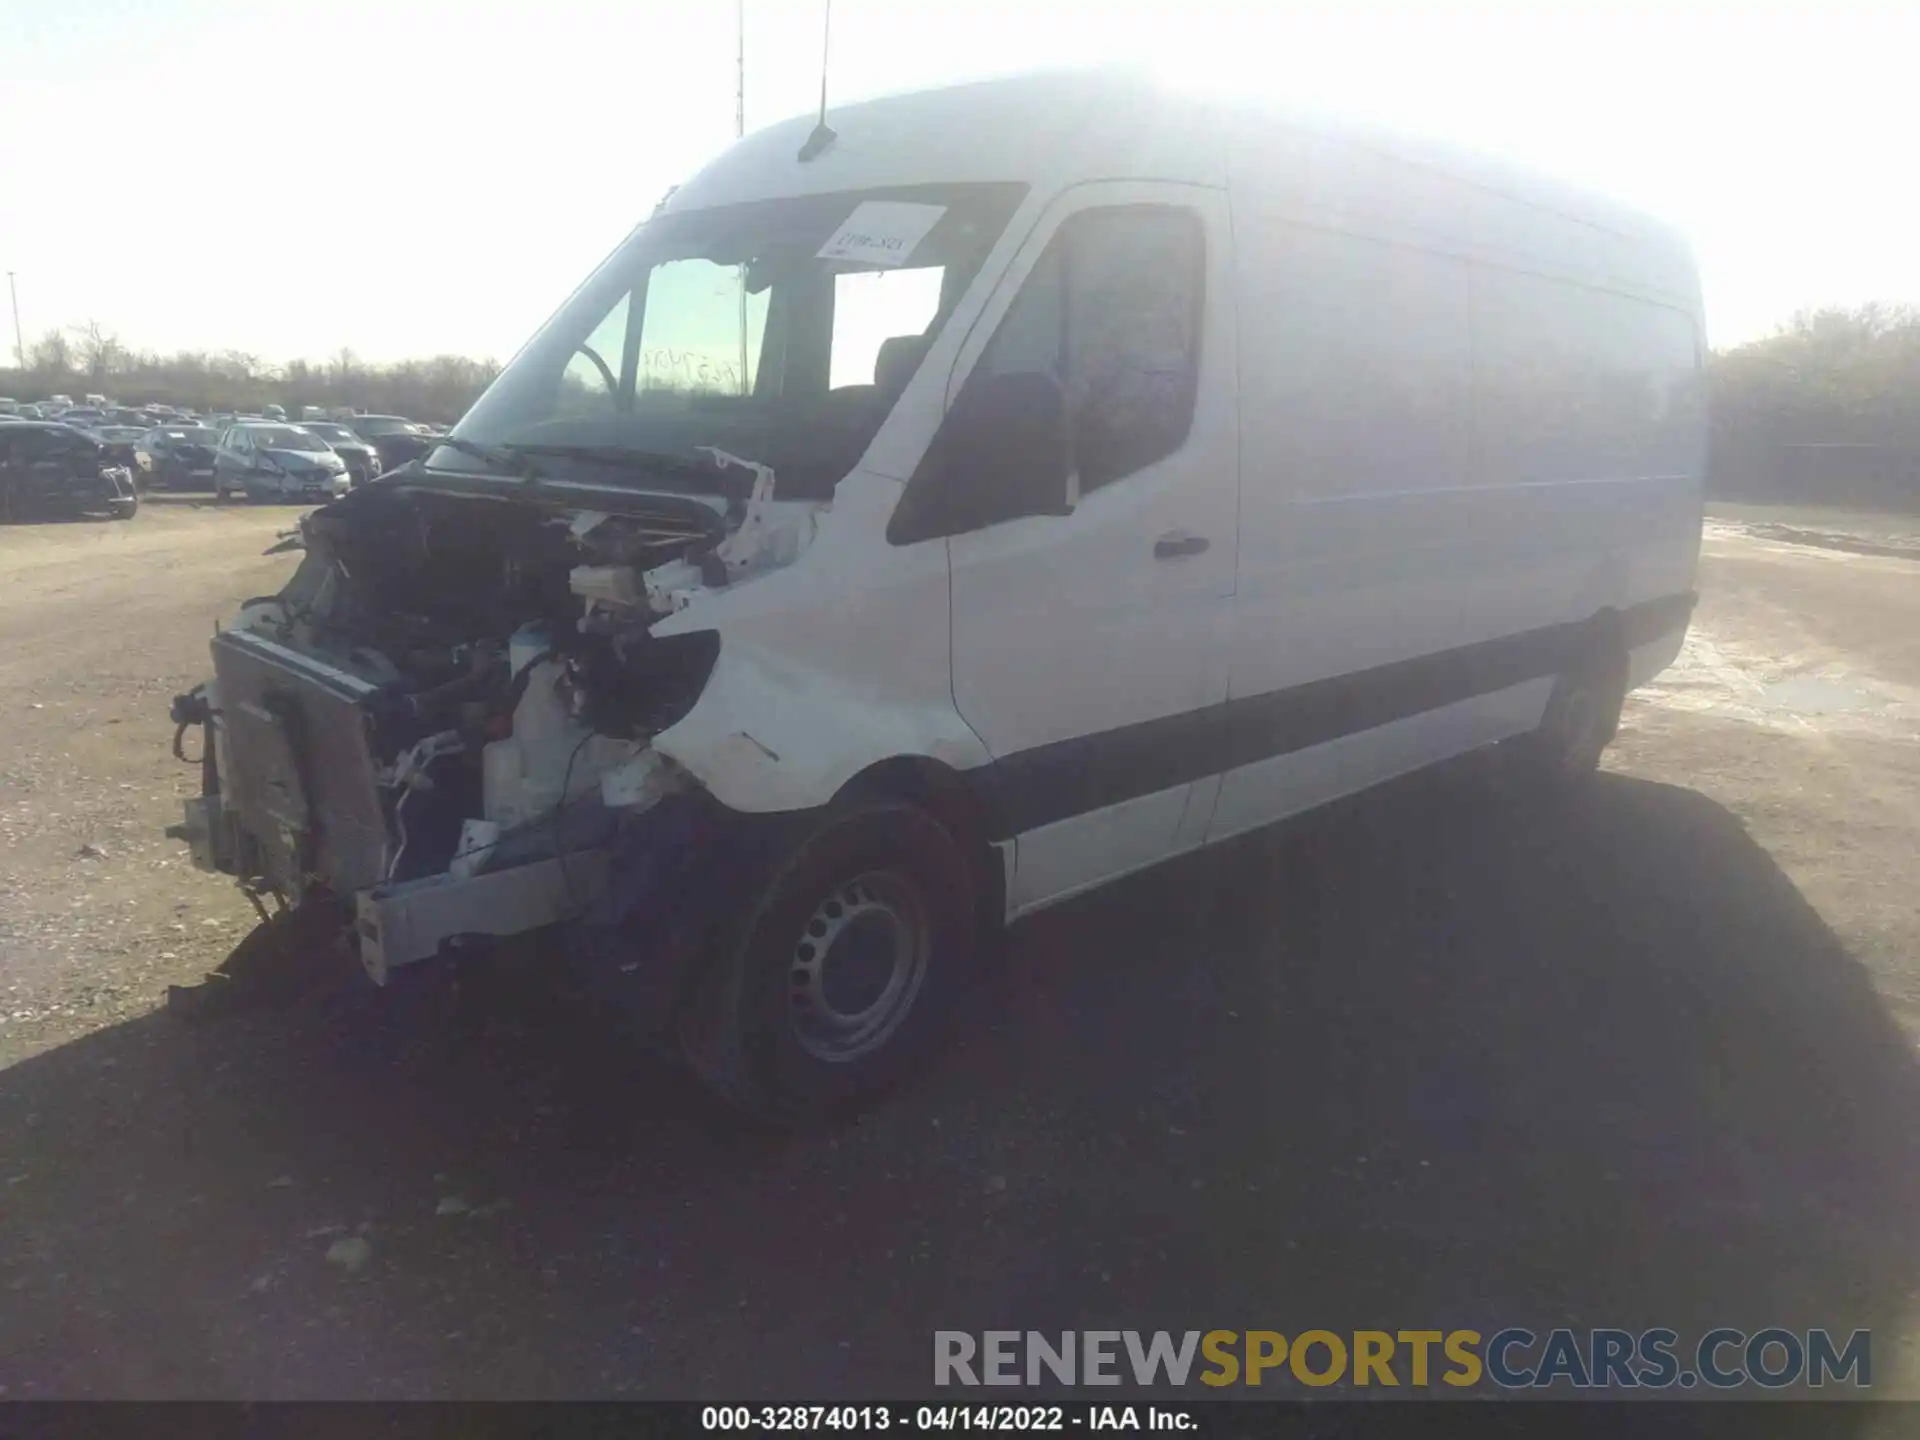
1052 129
1041 129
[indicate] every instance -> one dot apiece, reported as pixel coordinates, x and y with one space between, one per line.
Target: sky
291 177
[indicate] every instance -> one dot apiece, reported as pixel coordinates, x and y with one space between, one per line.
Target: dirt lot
1424 1061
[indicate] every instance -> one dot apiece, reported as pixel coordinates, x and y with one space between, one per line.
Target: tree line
1827 376
91 359
1827 408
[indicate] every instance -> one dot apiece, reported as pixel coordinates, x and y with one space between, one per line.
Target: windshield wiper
627 457
498 456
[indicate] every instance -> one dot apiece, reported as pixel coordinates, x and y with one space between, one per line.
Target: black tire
123 509
1581 719
779 1025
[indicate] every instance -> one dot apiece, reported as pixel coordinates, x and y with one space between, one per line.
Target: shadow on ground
1424 1062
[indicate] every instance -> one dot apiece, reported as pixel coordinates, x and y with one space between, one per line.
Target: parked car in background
65 402
396 438
274 412
9 406
373 426
268 461
178 457
49 469
85 416
363 461
119 443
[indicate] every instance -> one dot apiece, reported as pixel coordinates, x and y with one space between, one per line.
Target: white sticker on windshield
882 232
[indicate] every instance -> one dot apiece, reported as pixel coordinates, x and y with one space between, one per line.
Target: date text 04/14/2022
924 1418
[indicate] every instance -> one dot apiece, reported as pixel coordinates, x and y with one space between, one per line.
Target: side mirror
1000 454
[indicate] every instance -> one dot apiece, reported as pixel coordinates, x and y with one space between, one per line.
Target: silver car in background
265 460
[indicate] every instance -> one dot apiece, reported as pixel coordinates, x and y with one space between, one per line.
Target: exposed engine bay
457 684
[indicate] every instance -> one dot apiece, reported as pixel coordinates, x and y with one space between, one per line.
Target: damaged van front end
444 723
630 656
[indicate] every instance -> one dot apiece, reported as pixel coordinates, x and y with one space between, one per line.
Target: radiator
301 740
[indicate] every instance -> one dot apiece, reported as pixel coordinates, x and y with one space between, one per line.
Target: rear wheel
124 509
1581 719
842 972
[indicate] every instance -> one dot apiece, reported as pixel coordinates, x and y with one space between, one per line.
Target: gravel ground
1425 1060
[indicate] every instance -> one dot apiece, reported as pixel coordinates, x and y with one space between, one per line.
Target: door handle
1176 543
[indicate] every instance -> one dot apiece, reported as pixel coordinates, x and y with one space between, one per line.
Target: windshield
329 432
383 425
285 437
780 330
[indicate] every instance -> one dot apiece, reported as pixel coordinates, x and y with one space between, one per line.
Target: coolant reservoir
500 783
550 755
526 645
523 775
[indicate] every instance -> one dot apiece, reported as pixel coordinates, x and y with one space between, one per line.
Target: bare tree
241 365
99 348
51 354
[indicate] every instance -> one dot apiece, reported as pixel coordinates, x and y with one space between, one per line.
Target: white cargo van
919 521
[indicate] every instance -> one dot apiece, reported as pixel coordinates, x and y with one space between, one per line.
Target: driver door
1088 645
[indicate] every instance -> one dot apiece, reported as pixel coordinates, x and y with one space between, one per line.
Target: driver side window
1091 376
1134 297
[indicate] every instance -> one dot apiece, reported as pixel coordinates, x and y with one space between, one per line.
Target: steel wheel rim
857 967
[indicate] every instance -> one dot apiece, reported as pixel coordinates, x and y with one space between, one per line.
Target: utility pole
19 337
739 130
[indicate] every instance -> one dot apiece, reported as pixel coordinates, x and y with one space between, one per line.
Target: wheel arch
946 794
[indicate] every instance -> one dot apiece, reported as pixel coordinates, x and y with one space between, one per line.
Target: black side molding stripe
1071 777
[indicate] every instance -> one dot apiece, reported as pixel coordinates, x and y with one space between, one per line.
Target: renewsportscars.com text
1514 1358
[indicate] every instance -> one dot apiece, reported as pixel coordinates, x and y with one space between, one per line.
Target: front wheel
842 971
123 509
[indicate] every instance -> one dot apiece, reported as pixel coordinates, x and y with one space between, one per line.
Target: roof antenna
823 134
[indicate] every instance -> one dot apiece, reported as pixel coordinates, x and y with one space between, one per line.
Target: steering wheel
606 371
